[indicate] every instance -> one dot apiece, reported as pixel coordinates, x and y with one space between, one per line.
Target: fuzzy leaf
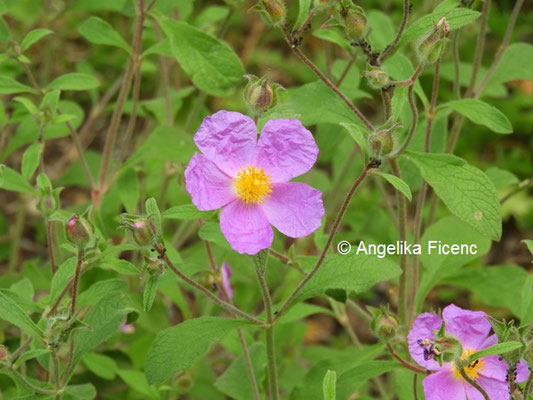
31 159
329 385
74 81
398 184
14 314
33 37
98 31
480 113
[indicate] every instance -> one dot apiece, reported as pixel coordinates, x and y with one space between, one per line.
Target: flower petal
208 186
285 149
470 327
225 272
228 139
246 227
495 388
443 385
423 328
522 371
295 209
493 368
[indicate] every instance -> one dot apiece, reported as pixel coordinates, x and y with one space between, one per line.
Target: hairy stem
325 79
49 233
334 228
414 122
75 282
112 131
229 307
388 50
405 363
406 276
17 233
423 189
30 385
473 383
260 260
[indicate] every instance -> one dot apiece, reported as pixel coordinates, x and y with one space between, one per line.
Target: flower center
252 184
473 369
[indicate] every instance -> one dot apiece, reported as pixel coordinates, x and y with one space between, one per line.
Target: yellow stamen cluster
472 370
252 185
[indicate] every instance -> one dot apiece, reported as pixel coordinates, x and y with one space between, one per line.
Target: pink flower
472 329
249 179
225 272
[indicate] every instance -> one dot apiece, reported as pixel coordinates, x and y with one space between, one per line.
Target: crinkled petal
470 327
423 328
443 385
228 139
208 186
246 227
295 209
285 149
493 368
495 388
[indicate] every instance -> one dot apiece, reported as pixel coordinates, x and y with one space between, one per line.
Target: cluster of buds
274 11
60 327
49 197
79 231
433 44
353 19
143 229
377 78
154 267
383 143
384 324
259 94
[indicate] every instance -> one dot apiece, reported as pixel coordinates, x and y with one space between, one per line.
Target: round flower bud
450 348
259 94
381 143
354 23
384 326
79 230
143 230
48 204
432 45
3 353
377 78
513 335
275 10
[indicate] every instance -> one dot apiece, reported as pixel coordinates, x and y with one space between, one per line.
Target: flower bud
377 78
79 230
450 348
259 94
381 143
354 21
3 353
275 11
384 324
154 266
143 230
48 204
432 45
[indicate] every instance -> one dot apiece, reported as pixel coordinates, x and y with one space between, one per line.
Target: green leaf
354 378
10 86
103 318
150 290
128 189
355 273
398 183
501 177
329 385
358 135
497 286
233 383
4 31
100 365
29 355
176 348
137 381
11 180
526 309
212 65
185 211
85 391
98 31
14 314
74 81
467 191
499 348
31 159
515 64
27 103
449 230
123 267
303 11
480 113
33 37
333 36
529 244
152 210
456 17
